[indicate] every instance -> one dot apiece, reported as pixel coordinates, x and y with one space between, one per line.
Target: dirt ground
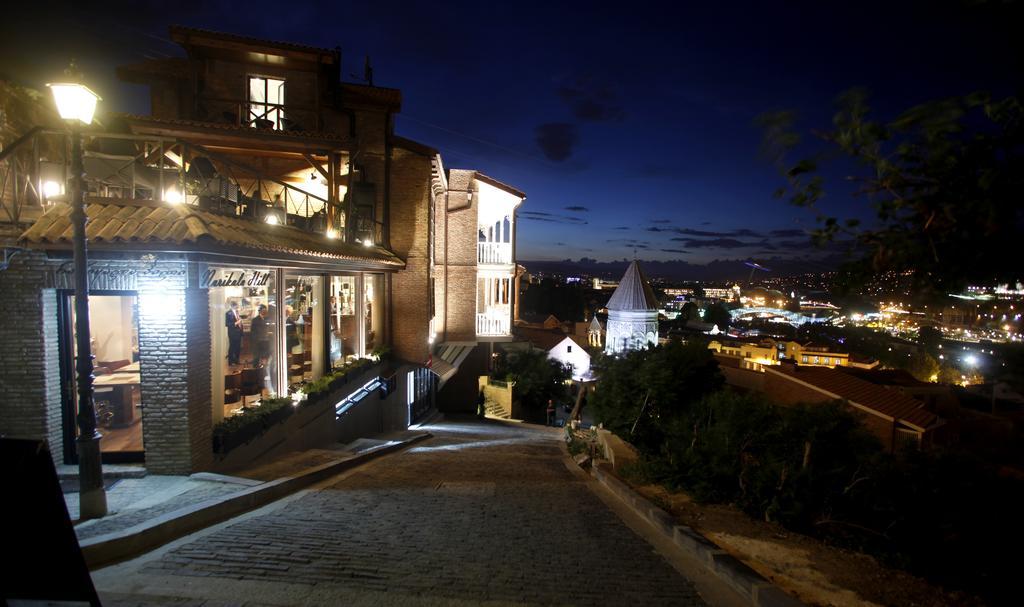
819 574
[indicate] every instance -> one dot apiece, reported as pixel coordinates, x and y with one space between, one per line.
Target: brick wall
410 213
174 351
29 363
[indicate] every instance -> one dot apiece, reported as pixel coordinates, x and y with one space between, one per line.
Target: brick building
261 227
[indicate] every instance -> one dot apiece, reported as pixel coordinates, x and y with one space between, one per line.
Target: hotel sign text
221 277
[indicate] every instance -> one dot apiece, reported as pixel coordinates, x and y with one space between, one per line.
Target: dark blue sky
626 125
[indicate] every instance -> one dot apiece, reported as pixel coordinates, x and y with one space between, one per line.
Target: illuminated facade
632 314
252 235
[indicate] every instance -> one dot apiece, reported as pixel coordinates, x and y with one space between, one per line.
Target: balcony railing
34 171
494 252
494 323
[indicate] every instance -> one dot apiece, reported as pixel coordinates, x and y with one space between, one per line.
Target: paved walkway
485 512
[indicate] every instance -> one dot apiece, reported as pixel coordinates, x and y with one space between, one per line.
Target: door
114 333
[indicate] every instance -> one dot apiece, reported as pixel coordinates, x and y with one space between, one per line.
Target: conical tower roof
633 292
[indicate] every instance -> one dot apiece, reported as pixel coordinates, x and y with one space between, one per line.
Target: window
304 329
245 342
266 98
342 313
374 312
568 349
804 360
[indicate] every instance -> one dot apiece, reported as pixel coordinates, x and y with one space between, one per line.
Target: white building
632 314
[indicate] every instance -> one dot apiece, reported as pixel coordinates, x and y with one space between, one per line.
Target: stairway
495 410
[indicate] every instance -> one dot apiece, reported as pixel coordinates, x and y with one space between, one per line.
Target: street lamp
76 105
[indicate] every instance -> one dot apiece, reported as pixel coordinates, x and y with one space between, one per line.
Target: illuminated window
805 360
266 101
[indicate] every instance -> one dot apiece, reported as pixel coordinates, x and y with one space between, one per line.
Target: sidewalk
134 497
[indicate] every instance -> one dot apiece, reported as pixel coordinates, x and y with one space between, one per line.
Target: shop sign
233 277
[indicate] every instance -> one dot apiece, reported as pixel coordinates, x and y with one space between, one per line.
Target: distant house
539 321
570 350
750 354
898 419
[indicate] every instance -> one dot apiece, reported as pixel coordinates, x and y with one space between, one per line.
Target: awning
141 225
446 361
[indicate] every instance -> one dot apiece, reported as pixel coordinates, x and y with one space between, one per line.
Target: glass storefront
245 338
304 328
114 333
274 330
374 312
343 306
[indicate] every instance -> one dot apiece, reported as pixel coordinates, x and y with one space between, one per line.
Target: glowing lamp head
367 243
173 196
971 360
51 189
75 102
331 233
271 218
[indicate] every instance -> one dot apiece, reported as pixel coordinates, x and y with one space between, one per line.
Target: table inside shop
123 382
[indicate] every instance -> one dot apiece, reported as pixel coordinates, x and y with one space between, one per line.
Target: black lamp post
76 105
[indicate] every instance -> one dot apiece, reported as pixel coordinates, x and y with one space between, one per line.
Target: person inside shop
233 321
260 334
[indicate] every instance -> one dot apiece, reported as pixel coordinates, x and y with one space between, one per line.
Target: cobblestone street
482 512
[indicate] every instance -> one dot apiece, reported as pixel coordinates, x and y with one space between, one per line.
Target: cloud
716 243
551 217
559 244
556 140
621 228
657 229
577 209
591 101
705 223
676 251
787 233
708 233
661 221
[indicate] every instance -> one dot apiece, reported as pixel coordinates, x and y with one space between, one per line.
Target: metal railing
259 114
494 252
492 323
34 171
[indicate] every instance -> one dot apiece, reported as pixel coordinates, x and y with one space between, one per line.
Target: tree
717 314
944 178
923 367
930 338
642 394
689 312
537 378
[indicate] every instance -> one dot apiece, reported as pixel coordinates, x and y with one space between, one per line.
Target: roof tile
112 223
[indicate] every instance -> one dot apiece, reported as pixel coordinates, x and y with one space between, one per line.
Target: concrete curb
121 545
747 582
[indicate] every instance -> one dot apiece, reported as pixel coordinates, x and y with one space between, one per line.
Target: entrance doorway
114 332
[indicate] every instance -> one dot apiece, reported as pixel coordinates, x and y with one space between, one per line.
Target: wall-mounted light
367 243
173 196
331 233
51 189
271 218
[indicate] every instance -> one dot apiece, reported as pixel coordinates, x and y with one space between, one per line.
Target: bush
815 469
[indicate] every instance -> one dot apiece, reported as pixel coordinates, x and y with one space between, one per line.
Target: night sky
628 126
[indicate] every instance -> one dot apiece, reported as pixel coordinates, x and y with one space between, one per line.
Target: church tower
632 314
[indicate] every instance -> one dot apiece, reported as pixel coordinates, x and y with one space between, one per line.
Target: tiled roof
633 292
545 339
178 30
595 325
114 224
371 94
888 402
